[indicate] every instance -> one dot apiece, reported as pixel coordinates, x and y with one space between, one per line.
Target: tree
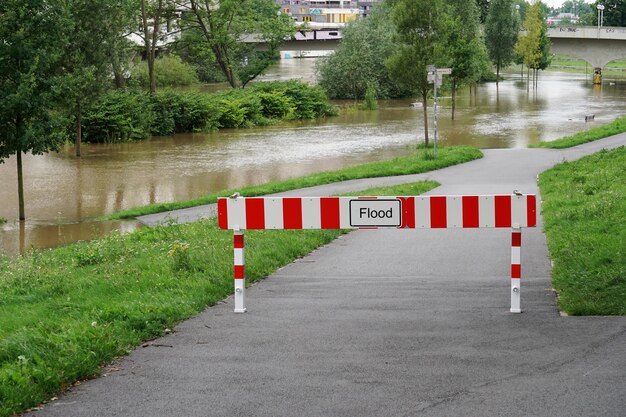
234 30
483 8
33 34
465 45
86 57
152 14
533 46
614 12
501 29
359 61
421 26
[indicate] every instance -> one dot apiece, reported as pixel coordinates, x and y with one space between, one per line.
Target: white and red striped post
516 268
413 212
240 272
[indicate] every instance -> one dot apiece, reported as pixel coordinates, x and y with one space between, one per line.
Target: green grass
613 128
415 163
65 312
2 221
584 212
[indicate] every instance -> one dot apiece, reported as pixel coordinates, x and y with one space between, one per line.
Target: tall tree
422 26
85 62
533 46
151 18
501 29
360 59
32 37
483 8
465 45
223 25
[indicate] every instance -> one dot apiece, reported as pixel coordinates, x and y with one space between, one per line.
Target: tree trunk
79 131
118 73
20 186
149 43
453 96
425 107
497 74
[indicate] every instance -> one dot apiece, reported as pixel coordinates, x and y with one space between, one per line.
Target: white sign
444 71
375 213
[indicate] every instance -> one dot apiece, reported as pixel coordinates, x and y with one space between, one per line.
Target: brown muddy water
63 193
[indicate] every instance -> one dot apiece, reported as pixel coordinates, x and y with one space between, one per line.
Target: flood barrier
514 211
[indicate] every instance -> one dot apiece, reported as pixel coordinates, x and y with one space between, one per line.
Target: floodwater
63 193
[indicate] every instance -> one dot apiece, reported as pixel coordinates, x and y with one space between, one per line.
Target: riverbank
421 161
601 132
67 311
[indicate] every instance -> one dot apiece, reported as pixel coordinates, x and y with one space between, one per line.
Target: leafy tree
32 38
224 23
153 15
359 61
483 8
534 45
421 26
193 50
86 62
614 12
465 45
501 29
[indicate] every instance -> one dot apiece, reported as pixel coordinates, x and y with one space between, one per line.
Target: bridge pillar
597 76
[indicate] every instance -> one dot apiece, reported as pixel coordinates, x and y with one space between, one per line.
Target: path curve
386 323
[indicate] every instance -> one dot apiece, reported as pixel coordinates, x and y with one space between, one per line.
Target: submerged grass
584 211
421 161
65 312
613 128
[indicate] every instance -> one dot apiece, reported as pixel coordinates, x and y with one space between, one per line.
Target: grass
65 312
2 221
564 63
613 128
422 161
584 215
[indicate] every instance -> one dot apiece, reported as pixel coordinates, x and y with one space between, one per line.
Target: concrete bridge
596 46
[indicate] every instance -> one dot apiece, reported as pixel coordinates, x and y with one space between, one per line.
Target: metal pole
435 121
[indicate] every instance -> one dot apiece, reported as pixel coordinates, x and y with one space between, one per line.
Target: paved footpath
386 323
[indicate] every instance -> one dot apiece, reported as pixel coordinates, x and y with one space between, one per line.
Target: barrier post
240 273
516 268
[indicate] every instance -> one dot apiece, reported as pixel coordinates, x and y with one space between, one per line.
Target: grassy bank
415 163
601 132
584 214
67 311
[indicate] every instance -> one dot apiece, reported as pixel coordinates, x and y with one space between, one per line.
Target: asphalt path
385 323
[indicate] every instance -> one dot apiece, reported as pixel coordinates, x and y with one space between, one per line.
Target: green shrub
129 115
370 97
170 71
176 112
310 101
118 116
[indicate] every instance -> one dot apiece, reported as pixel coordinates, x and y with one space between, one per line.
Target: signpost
435 76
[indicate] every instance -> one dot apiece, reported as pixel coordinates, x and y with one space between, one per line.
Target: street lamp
600 15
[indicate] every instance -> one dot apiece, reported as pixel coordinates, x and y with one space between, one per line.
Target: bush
310 101
129 115
183 112
170 71
119 116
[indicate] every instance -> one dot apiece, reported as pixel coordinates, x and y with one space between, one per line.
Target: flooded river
62 192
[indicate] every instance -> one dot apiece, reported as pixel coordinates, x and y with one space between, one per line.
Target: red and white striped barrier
421 212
